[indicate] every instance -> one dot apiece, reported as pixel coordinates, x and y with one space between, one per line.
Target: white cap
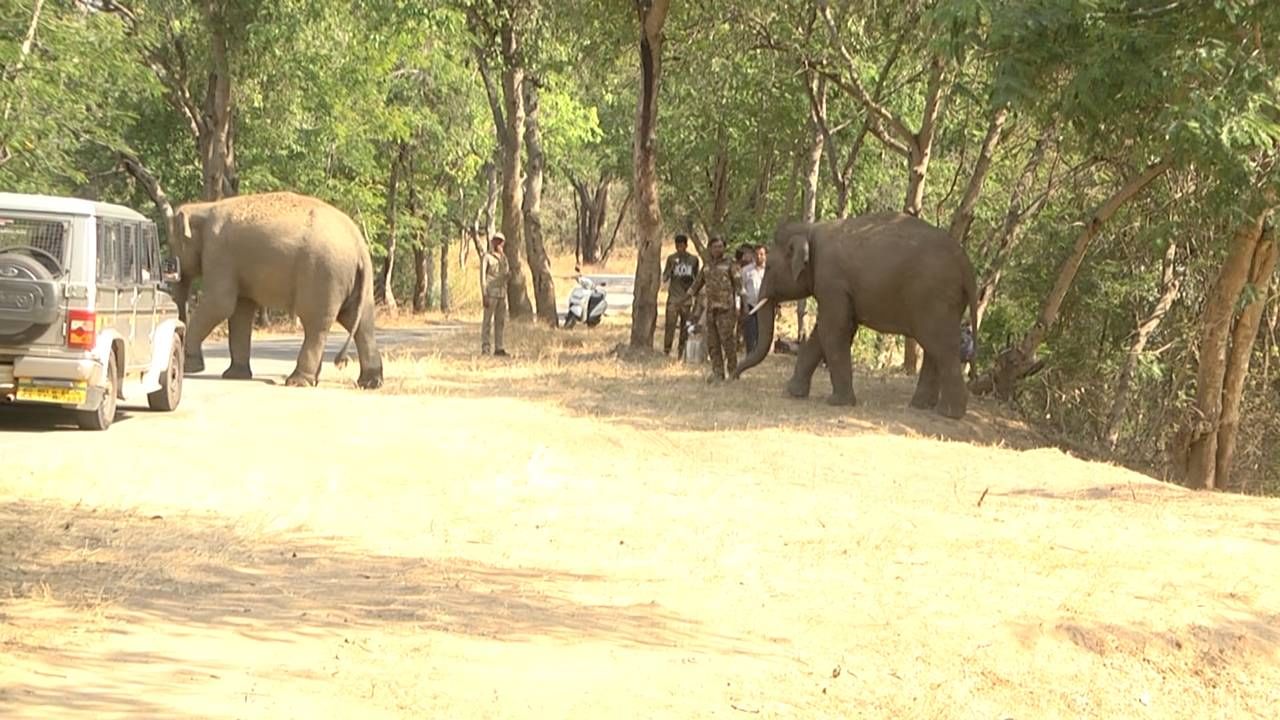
498 236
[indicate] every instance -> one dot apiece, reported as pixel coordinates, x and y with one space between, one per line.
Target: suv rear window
50 235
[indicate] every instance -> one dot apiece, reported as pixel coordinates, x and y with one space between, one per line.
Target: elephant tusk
759 305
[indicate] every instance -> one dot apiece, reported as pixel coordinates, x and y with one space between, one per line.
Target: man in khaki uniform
494 273
723 283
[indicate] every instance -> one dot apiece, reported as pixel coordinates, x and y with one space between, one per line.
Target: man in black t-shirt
681 269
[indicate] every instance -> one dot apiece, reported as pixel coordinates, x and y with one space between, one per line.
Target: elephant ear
799 255
180 230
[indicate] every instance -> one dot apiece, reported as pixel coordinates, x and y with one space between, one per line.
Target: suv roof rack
67 206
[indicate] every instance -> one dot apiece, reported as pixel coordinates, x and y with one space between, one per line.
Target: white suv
84 317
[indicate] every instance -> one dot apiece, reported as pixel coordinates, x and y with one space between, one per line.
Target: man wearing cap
494 273
681 269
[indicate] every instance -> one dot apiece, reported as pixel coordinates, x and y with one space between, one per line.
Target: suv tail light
82 329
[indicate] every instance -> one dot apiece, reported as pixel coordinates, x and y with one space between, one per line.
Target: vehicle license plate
70 395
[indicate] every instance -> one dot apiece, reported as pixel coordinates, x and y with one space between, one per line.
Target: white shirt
752 277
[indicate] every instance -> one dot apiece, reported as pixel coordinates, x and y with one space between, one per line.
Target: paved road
620 291
273 359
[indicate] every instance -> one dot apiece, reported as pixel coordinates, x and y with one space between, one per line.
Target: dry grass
567 534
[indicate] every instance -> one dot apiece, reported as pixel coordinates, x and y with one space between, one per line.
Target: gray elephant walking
891 272
279 250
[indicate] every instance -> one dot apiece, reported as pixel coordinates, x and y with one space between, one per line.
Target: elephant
280 250
888 271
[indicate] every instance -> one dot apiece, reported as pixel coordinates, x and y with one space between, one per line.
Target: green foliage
67 103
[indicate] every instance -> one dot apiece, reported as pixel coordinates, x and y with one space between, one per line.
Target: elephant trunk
181 293
765 312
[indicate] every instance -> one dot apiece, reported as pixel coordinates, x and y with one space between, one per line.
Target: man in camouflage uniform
681 269
494 273
723 283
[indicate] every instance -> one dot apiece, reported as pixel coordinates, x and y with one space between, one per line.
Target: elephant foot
954 409
924 398
370 379
842 399
299 380
238 372
192 365
797 389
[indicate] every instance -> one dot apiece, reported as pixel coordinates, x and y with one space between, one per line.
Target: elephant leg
943 345
926 396
307 372
806 364
217 304
239 329
835 334
366 347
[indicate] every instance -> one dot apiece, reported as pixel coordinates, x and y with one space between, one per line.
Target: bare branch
853 86
134 167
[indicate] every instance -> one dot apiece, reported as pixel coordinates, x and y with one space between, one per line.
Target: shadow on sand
198 574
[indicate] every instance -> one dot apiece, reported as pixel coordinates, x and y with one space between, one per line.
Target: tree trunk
216 136
1243 339
420 274
491 199
793 183
155 191
817 141
544 288
758 203
1001 247
423 276
446 303
1170 281
652 15
812 172
613 237
963 216
1206 443
592 208
383 293
1012 366
512 175
718 174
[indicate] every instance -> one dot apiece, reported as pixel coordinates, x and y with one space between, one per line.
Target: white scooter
586 303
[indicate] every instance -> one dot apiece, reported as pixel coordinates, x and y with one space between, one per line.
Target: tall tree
501 30
652 17
1207 441
544 288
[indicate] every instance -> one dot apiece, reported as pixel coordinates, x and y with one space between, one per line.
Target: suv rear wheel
170 393
101 418
26 278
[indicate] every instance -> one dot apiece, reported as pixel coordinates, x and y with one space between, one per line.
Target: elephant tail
362 288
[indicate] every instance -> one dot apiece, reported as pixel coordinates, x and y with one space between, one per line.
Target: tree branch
134 167
495 102
853 86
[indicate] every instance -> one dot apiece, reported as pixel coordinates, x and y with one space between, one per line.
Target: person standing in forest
752 277
679 273
723 284
494 274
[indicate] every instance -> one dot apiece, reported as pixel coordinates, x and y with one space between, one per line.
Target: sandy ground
567 535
